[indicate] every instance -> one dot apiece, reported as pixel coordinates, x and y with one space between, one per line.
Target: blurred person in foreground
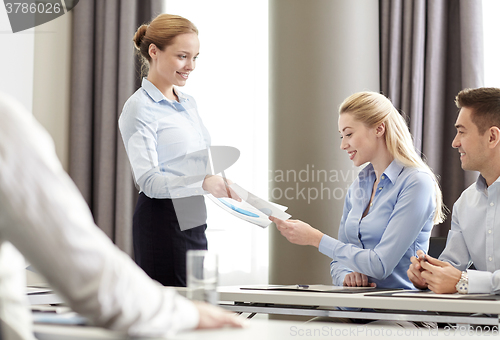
44 218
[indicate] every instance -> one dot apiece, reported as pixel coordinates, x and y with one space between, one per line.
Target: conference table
374 304
266 330
364 304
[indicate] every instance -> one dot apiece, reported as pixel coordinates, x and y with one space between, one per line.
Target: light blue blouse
166 142
397 225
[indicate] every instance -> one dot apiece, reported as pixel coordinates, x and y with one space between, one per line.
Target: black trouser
160 246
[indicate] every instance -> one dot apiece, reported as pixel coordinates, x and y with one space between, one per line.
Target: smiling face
472 146
173 65
358 140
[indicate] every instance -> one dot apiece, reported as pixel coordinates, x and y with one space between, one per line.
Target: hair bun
139 36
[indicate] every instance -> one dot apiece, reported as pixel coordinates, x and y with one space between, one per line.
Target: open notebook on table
319 288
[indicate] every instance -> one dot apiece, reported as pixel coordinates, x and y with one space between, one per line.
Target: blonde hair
161 31
372 109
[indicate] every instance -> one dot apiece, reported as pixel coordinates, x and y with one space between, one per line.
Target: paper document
265 207
38 290
251 208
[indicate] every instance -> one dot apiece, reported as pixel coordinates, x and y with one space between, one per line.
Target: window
491 29
230 85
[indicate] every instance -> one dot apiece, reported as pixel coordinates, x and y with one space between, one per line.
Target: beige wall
321 51
51 81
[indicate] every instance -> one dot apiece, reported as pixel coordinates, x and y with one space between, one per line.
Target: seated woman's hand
215 185
356 279
415 270
298 232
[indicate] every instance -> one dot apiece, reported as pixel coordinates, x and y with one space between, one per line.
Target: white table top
267 330
360 300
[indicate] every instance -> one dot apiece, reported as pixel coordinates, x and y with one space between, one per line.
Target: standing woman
167 145
390 208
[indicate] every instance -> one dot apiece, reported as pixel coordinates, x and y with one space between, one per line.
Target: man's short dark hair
485 105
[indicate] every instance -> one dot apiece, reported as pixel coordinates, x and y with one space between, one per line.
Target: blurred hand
414 272
298 232
441 277
215 185
216 317
356 279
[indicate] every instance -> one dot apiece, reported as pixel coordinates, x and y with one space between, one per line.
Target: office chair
436 246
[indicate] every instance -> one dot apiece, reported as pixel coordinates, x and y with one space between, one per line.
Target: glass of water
202 276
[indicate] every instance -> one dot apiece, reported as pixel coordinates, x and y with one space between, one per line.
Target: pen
227 185
303 286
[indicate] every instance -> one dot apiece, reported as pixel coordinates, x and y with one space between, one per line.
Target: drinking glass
202 276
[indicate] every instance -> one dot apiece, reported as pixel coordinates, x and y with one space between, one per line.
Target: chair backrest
436 246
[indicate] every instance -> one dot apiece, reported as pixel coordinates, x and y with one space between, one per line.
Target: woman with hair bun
167 145
390 208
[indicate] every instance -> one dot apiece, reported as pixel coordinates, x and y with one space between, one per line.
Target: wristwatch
462 285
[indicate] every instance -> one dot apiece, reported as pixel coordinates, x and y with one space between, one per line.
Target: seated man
44 217
476 214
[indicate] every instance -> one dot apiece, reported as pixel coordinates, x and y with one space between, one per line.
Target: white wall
491 30
35 69
230 85
16 61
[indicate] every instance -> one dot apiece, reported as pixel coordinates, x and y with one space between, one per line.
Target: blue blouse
398 223
166 142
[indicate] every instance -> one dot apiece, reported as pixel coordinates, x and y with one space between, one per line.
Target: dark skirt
160 244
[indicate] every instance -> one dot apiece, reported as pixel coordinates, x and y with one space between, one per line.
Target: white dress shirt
475 236
15 318
166 143
43 215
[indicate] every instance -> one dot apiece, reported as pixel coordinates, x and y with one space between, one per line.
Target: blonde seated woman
390 208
